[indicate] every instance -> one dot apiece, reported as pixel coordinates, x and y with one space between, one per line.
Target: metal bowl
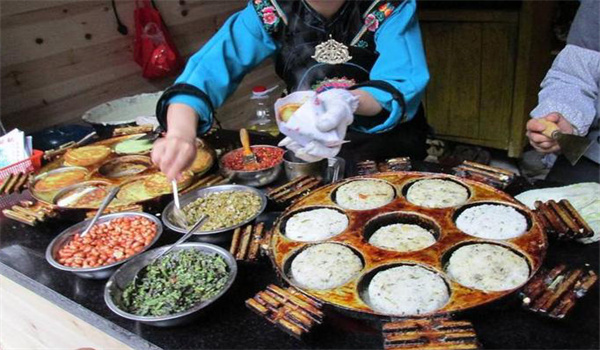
256 178
214 236
120 279
101 272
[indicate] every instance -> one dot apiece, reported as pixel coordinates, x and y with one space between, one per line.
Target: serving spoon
185 237
178 214
109 197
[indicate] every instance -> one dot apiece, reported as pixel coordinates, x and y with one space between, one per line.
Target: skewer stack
246 242
292 311
429 333
15 183
497 177
562 220
132 130
30 213
553 293
210 180
369 167
292 191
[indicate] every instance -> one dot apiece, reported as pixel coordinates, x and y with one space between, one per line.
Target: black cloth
307 28
405 140
584 171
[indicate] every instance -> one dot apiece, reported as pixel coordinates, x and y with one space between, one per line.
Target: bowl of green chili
174 289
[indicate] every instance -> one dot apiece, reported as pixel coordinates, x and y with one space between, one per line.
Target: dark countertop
229 324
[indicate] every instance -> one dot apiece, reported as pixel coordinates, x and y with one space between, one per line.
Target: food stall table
228 324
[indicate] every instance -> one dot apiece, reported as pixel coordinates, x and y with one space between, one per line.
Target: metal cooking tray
351 296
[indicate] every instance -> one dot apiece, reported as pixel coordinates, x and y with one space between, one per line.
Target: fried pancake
86 156
59 180
203 161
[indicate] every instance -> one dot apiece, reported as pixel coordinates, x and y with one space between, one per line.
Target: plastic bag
153 50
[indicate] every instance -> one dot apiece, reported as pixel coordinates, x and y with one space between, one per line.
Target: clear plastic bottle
261 120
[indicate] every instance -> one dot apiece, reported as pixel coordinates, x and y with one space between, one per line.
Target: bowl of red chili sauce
269 158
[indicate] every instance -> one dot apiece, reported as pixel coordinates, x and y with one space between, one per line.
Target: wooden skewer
288 190
235 241
300 190
26 219
565 217
587 231
287 185
6 182
243 248
489 168
256 239
39 216
20 185
560 228
9 186
551 296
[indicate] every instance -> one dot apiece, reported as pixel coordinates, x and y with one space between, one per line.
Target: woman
570 98
373 48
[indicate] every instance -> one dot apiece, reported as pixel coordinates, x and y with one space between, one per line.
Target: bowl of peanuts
113 240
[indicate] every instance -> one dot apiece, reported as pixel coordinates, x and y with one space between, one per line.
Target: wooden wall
60 58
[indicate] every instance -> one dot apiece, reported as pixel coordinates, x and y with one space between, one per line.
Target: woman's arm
217 69
401 63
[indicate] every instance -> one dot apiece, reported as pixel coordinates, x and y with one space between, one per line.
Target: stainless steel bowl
214 236
120 279
101 272
256 178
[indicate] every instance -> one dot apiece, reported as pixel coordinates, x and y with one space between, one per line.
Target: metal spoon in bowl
109 197
185 237
178 214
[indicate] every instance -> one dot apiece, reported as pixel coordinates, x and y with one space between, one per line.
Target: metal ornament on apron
331 52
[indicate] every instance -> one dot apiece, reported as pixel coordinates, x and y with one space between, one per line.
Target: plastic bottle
261 120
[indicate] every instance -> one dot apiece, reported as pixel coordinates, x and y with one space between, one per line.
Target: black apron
306 29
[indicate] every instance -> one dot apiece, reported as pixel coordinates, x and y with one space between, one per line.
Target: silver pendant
331 52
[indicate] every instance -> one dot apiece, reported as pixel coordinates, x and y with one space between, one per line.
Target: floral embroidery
362 44
373 19
333 83
268 14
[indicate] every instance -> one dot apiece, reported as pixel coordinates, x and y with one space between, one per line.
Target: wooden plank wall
60 58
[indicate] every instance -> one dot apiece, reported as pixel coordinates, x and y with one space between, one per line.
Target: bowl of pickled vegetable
227 206
174 289
268 169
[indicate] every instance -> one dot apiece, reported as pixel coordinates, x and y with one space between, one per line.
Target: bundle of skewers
438 332
29 212
368 167
493 176
561 220
292 191
15 183
292 311
246 244
553 293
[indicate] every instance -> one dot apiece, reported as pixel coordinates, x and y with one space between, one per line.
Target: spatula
249 158
572 146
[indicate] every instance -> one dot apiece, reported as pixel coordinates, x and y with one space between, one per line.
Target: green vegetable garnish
175 283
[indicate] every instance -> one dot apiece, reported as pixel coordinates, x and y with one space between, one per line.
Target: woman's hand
177 150
541 142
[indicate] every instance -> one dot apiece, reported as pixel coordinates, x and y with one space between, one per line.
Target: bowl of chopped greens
227 206
173 290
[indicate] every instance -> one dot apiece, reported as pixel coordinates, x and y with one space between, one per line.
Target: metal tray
350 296
201 192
